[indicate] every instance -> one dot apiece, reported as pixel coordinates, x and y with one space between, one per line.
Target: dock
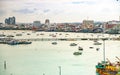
67 39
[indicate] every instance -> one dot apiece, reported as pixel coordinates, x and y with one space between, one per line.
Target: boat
97 43
77 53
28 33
24 42
91 47
2 35
80 48
12 42
17 42
73 44
18 34
97 49
106 67
10 36
54 43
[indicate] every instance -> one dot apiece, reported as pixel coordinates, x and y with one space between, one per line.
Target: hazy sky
59 10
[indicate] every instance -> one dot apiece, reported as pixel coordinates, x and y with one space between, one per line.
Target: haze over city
59 11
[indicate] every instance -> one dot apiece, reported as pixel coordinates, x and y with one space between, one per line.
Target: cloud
46 10
83 2
77 2
2 12
25 11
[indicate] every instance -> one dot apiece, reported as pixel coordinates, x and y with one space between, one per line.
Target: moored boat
12 42
106 67
2 35
24 42
54 43
73 44
97 49
91 47
77 53
17 42
97 43
18 34
80 48
10 36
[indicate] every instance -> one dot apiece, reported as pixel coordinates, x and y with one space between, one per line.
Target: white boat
80 48
97 43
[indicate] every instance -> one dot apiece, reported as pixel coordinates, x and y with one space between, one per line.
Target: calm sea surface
43 58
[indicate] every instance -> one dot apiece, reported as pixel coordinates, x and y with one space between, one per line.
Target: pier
7 40
67 39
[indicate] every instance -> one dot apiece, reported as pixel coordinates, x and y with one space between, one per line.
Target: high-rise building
10 21
47 22
37 24
88 24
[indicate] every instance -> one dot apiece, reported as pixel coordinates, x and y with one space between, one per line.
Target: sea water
44 58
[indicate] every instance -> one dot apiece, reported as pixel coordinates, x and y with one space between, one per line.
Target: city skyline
59 11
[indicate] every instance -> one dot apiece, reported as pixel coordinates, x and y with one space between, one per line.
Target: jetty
68 39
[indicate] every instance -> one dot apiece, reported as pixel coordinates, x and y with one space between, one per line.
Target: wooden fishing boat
106 67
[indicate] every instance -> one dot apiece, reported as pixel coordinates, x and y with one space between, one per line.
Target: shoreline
56 36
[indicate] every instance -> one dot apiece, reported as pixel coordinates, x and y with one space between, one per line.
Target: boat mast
104 50
59 70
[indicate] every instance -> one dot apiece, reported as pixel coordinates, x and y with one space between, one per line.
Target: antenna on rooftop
87 17
119 18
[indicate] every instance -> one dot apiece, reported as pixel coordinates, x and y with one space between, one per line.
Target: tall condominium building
88 24
47 22
37 24
10 21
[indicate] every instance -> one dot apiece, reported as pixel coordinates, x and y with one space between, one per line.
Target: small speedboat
91 47
54 43
97 43
97 49
73 44
80 48
2 35
12 42
77 53
18 34
24 42
10 36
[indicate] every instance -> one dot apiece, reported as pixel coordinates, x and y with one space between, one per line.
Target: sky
57 11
